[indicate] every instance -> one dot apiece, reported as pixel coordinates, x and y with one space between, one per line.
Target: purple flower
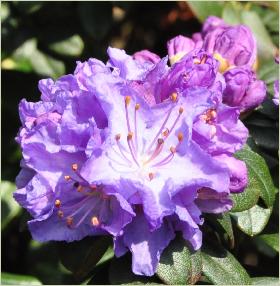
196 69
231 45
243 90
131 149
212 23
179 47
146 56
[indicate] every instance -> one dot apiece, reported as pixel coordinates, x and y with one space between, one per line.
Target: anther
173 96
172 149
137 106
69 221
213 113
118 137
57 203
160 141
181 110
60 214
151 176
180 136
95 221
196 61
129 136
74 167
127 100
165 132
203 60
80 188
67 178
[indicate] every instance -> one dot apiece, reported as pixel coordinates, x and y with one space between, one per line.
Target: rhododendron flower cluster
138 149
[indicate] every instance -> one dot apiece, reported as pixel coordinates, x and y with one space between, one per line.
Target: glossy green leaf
9 207
15 279
221 267
203 9
271 239
81 257
178 265
265 280
266 48
72 46
252 221
258 174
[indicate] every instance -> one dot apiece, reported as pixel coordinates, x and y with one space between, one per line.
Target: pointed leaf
9 207
252 221
178 264
15 279
203 9
221 267
271 239
259 174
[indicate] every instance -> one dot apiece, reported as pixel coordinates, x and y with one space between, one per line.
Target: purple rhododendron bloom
212 23
133 149
243 90
231 45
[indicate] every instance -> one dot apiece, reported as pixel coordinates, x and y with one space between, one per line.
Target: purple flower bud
243 90
146 56
238 173
236 45
179 47
211 24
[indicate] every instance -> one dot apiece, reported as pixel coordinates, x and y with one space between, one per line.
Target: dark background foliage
45 39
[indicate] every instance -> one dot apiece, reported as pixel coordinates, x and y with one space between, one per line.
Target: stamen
160 130
122 153
127 100
213 130
137 106
151 176
74 167
180 136
165 132
69 221
196 61
80 188
156 151
60 214
172 149
67 178
118 137
129 136
57 203
131 149
174 96
95 221
203 60
181 110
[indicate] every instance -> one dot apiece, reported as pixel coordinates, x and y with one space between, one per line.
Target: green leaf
225 221
81 257
203 9
265 280
15 279
259 174
252 221
271 239
9 207
178 265
96 18
29 56
72 46
231 13
221 267
266 48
